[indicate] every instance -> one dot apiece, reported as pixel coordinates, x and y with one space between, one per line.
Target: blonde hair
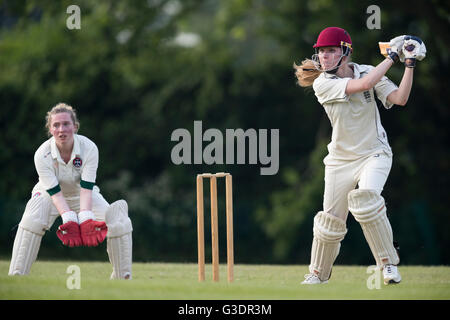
306 73
59 108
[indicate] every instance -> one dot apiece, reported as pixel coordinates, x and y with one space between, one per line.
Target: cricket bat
383 48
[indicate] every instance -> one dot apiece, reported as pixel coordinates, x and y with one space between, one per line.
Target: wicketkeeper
67 167
359 151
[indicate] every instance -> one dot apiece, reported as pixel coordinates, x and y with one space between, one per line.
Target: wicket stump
214 225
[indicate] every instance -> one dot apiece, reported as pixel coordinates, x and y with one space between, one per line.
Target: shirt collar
356 71
75 151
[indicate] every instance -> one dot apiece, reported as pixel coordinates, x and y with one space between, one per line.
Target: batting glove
395 49
413 49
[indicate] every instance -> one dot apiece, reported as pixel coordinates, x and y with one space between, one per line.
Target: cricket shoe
312 278
391 274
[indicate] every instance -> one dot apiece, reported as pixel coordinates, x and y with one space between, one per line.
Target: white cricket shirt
55 175
357 129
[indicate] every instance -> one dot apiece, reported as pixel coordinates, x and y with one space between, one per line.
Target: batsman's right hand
69 234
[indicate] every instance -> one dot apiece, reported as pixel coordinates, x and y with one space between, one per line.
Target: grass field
156 281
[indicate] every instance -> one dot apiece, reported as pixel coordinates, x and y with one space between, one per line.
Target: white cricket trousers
99 205
368 173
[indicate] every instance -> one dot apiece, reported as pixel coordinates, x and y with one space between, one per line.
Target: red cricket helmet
335 37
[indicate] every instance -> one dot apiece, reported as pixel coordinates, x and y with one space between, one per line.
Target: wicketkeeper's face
62 128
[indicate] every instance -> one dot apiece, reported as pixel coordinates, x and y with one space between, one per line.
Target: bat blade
383 48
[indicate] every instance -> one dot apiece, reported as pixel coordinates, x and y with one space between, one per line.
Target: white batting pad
36 216
29 234
328 231
25 251
369 209
119 240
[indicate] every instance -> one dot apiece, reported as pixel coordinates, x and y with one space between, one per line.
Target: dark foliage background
138 70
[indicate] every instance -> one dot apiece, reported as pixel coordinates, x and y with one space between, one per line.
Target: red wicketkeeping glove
93 232
69 234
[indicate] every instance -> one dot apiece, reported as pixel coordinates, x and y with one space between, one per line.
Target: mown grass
175 281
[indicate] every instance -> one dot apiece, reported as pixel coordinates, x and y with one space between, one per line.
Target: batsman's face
62 128
329 56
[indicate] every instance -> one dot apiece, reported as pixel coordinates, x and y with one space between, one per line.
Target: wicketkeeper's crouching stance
67 165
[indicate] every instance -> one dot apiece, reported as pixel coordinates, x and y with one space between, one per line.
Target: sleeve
383 88
89 171
330 90
46 173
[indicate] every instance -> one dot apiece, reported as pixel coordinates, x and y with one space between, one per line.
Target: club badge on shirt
77 162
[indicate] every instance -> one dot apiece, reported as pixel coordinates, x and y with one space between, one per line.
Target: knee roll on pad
365 204
36 216
119 240
117 219
328 231
329 228
368 208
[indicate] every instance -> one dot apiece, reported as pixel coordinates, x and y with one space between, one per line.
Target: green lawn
48 280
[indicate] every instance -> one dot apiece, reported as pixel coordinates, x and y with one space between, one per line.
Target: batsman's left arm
401 95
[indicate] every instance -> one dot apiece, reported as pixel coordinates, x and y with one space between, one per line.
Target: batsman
359 155
67 167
